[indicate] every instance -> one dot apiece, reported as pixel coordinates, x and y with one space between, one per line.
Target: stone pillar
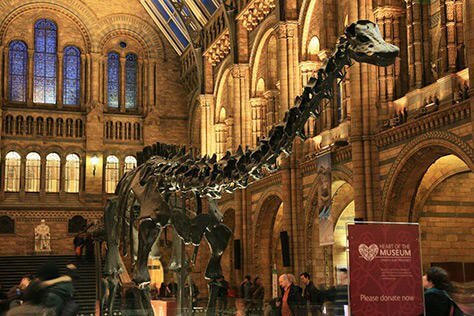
3 72
451 11
59 95
258 106
468 13
242 123
273 108
94 68
415 44
62 177
122 84
151 83
29 98
229 122
206 101
389 21
4 52
288 62
82 99
139 84
221 139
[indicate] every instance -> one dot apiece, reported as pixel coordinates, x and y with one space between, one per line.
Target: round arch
263 237
412 163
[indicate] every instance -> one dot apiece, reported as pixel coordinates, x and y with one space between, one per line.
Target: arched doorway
267 246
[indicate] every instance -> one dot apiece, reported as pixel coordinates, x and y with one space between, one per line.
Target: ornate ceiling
177 18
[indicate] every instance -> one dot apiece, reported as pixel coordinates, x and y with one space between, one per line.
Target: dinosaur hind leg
147 234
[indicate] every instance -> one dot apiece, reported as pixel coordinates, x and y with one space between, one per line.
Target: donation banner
385 269
326 221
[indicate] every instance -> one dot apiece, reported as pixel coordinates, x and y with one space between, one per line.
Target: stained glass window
131 81
111 174
71 75
113 84
18 55
53 165
12 171
44 83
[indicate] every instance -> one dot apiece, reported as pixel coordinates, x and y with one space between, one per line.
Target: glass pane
72 75
131 81
44 83
210 6
179 35
113 86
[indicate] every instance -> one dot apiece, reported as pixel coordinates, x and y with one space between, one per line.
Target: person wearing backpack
58 290
437 300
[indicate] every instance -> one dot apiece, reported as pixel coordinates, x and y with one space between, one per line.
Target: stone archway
265 243
407 171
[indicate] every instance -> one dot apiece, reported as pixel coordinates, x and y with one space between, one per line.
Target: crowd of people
46 293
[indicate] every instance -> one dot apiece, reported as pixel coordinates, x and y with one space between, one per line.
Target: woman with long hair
437 286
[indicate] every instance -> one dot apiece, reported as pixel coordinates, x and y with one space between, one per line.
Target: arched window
72 75
130 163
39 126
113 80
313 48
32 172
18 71
131 81
12 171
111 174
53 166
7 225
19 125
59 127
30 128
71 174
44 83
76 224
49 126
8 125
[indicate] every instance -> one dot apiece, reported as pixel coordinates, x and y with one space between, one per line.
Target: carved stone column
242 123
59 95
452 27
206 101
31 54
4 53
151 83
2 72
82 99
94 68
415 44
221 139
288 64
258 118
122 84
389 21
230 138
273 108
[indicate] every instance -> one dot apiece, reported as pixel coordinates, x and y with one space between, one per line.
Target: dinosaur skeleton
145 192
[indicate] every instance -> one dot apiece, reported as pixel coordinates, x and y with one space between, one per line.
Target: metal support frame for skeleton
168 173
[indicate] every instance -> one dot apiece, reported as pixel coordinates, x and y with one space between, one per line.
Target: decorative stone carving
42 238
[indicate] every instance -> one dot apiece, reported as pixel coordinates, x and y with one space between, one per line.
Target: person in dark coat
258 294
339 294
173 287
78 244
311 294
291 302
437 286
58 290
164 291
32 302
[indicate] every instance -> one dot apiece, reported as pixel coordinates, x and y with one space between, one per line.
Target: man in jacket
313 296
292 299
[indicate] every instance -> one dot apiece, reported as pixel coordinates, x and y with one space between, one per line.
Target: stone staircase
12 269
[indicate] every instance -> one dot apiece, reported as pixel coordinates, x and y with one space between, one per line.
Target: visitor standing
245 292
292 299
222 292
78 245
173 287
313 296
258 294
437 300
89 245
339 293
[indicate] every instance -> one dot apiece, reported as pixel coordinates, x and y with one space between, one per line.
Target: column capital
206 100
257 102
390 12
240 70
287 29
